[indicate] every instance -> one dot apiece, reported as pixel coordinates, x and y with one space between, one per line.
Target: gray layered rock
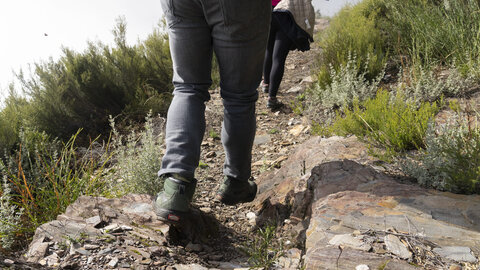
342 206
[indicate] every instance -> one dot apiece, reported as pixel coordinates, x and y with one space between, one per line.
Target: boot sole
170 216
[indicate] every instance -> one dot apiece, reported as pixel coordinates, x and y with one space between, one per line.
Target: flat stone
308 79
50 261
262 139
295 89
362 267
94 221
189 267
459 254
113 263
395 246
349 240
296 130
36 252
194 247
8 262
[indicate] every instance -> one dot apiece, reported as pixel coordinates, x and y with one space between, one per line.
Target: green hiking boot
173 203
233 191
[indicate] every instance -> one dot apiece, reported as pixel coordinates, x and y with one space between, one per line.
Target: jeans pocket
246 18
169 12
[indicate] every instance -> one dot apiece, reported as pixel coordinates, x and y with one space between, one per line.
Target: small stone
295 89
296 130
146 261
455 267
308 79
91 247
105 251
8 262
36 252
459 254
362 267
113 263
52 260
215 257
206 210
251 215
194 247
395 246
89 260
94 221
349 240
211 154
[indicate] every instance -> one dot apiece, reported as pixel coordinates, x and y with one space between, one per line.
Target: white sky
68 23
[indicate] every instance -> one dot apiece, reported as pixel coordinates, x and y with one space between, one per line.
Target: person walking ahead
237 32
292 28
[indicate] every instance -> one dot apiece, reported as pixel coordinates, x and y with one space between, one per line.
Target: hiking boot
173 203
273 103
233 191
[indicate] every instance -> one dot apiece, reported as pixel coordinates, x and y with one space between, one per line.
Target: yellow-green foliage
352 31
391 123
12 116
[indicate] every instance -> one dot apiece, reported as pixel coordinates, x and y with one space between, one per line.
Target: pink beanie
275 2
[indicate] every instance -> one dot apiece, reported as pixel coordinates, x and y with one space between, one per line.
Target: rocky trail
334 207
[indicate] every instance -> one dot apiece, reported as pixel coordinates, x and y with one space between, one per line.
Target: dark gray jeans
237 31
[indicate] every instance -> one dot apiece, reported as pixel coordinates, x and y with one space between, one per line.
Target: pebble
251 215
8 262
194 247
362 267
113 263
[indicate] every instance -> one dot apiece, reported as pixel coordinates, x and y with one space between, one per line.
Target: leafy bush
12 116
451 159
390 123
46 176
432 32
347 84
428 85
262 249
137 160
80 90
352 30
9 216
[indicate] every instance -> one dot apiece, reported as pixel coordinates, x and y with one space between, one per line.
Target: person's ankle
179 177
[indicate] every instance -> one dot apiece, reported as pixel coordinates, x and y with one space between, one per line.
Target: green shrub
386 122
81 90
263 251
429 85
347 84
9 216
432 32
137 159
352 30
12 116
46 176
451 159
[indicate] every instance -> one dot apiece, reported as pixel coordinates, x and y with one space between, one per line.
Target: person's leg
267 64
280 53
239 42
191 51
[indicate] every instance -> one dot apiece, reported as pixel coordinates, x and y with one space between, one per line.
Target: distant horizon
34 34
